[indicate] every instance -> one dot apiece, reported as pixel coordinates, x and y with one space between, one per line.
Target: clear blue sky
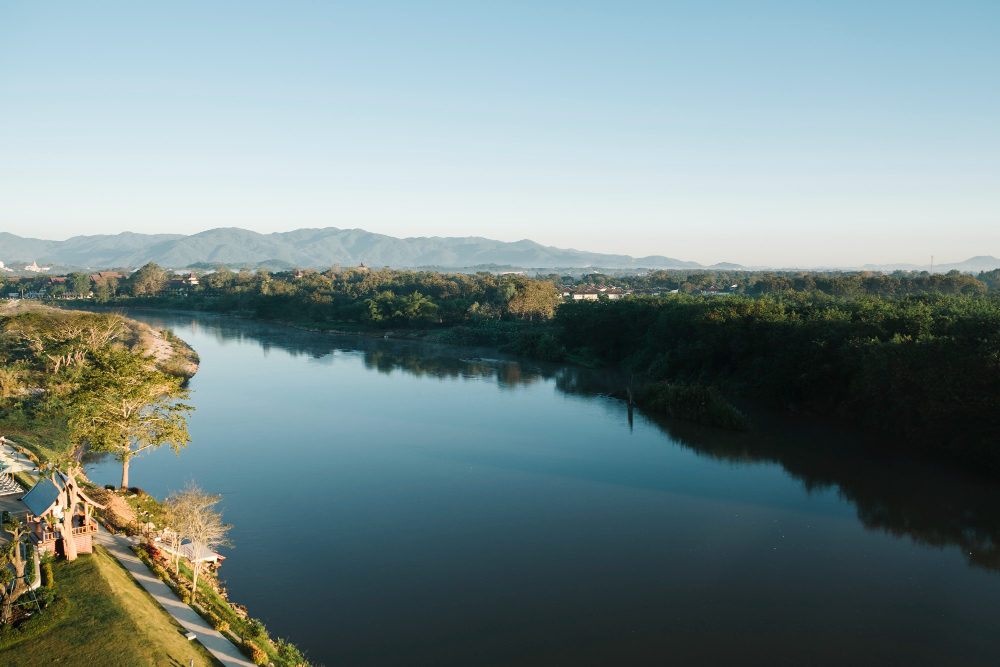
780 133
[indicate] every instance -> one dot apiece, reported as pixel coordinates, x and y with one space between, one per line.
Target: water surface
397 503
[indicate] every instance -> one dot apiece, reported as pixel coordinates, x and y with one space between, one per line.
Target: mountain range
315 248
322 248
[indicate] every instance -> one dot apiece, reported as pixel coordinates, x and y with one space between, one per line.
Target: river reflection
483 510
895 491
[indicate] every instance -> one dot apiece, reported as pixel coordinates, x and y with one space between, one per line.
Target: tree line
923 366
384 298
840 284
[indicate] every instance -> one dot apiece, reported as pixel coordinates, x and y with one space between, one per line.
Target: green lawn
109 621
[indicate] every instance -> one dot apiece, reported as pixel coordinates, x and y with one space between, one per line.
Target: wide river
397 503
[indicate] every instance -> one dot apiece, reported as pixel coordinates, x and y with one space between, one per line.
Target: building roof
42 496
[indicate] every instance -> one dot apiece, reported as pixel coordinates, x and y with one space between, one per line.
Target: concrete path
219 646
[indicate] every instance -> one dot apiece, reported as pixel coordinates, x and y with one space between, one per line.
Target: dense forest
832 283
926 367
384 298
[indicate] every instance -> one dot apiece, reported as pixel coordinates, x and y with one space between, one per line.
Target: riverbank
99 615
44 351
127 512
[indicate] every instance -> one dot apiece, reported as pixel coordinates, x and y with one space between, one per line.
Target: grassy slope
111 621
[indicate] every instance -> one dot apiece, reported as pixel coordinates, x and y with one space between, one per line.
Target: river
399 503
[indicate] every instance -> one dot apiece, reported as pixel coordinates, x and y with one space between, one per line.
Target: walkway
218 645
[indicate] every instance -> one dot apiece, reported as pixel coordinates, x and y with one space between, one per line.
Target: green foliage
126 407
99 616
48 579
839 284
927 367
55 609
695 402
255 629
382 299
150 280
255 653
490 333
537 345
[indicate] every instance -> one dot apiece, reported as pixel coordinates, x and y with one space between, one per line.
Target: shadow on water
894 490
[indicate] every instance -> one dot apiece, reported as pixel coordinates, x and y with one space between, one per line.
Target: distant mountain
322 248
311 248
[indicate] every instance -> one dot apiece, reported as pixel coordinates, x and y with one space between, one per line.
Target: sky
763 133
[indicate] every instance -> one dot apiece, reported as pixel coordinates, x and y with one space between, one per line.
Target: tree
69 484
175 512
12 584
150 280
105 288
127 407
201 524
78 283
534 298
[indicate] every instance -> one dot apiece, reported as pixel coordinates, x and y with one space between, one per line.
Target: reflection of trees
894 491
897 493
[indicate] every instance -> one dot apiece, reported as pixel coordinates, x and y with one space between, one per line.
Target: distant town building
179 286
104 275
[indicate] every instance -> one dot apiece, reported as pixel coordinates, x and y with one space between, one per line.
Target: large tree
127 407
150 280
78 283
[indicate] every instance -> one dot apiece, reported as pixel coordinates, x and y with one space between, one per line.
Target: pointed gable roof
42 496
47 493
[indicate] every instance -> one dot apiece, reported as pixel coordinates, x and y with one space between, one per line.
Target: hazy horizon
773 135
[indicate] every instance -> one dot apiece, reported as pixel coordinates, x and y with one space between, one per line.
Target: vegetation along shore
911 353
73 381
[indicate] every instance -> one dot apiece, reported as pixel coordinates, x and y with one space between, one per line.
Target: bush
487 332
48 579
109 487
44 597
252 651
220 625
255 628
34 626
183 593
153 551
695 402
536 344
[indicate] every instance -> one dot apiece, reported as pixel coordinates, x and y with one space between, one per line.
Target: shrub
536 344
153 551
253 652
48 579
255 628
44 596
695 402
220 625
109 487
